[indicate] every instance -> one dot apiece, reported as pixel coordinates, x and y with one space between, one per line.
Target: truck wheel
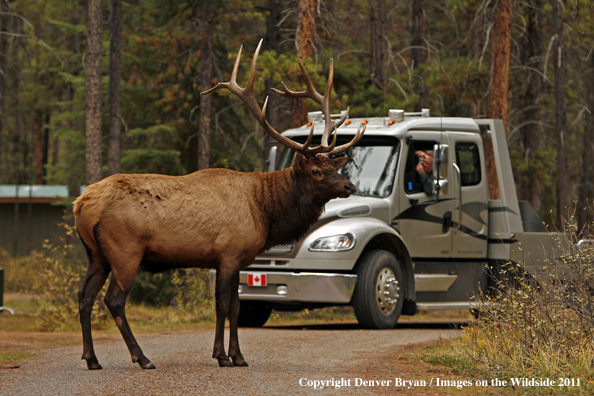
379 293
253 313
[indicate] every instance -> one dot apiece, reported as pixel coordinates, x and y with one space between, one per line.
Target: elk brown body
214 218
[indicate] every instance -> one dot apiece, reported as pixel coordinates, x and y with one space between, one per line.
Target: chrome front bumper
292 286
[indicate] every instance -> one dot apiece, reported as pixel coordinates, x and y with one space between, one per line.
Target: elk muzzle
348 188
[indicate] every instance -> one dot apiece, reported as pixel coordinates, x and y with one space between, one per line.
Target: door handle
459 177
447 222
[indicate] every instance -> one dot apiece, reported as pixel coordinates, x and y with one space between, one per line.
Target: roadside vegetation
533 328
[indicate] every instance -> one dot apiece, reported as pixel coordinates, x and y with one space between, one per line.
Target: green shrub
58 309
20 273
153 289
193 301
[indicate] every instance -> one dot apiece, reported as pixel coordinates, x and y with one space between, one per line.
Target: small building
41 209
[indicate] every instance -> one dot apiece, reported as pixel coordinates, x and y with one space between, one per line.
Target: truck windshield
371 166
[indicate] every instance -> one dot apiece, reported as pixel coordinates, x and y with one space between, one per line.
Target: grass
329 315
10 357
460 359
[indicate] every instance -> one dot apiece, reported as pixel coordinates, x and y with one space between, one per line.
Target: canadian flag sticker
257 279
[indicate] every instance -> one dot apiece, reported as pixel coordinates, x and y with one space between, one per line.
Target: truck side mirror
440 160
271 160
440 168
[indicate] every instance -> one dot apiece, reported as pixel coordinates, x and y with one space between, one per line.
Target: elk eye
316 172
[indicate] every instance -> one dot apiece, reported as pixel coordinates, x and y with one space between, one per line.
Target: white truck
391 248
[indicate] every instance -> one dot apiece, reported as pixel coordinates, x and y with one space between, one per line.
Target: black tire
378 272
253 313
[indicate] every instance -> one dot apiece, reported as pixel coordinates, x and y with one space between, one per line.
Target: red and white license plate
256 279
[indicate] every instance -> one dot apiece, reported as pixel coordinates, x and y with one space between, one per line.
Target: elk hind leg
234 351
92 283
222 301
115 299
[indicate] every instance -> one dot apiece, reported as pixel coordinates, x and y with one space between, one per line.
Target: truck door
423 219
470 187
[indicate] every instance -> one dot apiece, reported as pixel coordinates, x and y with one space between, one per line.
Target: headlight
335 243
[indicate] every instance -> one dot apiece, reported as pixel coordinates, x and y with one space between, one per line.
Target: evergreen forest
150 59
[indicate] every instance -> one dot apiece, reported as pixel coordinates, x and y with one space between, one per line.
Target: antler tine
308 141
326 106
231 85
345 147
310 92
300 148
323 100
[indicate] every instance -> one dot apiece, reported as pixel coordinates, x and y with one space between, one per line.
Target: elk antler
247 95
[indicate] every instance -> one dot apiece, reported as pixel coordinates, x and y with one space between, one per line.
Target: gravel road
283 361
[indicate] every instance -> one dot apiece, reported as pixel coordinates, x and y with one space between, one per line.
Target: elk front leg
92 283
222 300
115 299
234 351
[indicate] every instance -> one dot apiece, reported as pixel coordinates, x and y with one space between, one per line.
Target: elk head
313 164
320 176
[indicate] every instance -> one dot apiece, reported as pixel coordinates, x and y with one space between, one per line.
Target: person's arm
427 182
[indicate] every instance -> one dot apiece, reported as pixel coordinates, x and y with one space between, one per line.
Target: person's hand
420 168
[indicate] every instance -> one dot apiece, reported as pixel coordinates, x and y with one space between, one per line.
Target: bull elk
213 218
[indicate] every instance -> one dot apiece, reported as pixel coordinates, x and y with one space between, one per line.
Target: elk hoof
148 366
92 363
223 362
239 362
227 363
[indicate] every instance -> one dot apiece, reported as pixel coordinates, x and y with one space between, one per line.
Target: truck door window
412 181
468 160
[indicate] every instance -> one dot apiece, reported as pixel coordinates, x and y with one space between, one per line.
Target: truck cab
397 244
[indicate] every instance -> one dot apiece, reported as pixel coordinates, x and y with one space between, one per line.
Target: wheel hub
387 291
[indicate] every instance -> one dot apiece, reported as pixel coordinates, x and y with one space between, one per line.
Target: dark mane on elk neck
288 207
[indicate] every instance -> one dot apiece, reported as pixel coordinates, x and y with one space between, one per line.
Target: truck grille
356 211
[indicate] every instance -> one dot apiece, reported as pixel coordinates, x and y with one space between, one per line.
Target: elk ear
338 163
299 163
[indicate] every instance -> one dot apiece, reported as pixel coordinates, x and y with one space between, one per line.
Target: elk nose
349 187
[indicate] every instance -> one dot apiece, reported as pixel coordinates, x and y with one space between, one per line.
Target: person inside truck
425 170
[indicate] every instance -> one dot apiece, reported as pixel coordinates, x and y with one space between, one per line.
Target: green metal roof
35 191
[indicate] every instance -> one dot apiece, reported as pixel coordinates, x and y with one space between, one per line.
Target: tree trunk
38 142
498 94
115 76
528 189
3 64
586 187
419 51
378 33
478 41
273 43
563 182
93 90
306 32
206 83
